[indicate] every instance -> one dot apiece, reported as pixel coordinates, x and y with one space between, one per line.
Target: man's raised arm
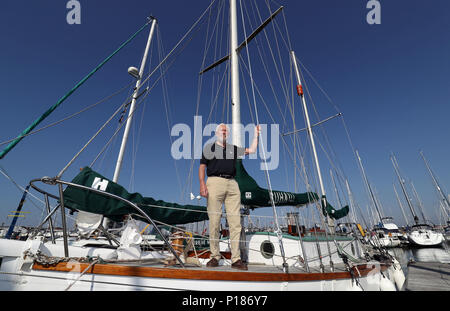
201 177
254 145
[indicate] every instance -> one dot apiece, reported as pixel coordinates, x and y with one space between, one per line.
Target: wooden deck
428 276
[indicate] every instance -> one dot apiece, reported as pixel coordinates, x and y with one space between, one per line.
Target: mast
352 203
311 137
236 112
419 202
401 205
133 104
402 184
372 196
234 67
436 184
338 199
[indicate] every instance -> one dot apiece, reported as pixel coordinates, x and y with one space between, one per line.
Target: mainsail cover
172 213
254 196
89 201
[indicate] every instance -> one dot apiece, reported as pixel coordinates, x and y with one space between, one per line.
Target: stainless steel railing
60 198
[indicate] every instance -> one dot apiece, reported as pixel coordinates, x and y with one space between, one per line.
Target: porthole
267 249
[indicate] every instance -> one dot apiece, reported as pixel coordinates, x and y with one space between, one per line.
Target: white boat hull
425 238
17 273
58 281
388 242
33 280
295 251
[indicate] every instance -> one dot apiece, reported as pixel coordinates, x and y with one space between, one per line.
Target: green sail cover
172 213
89 201
254 196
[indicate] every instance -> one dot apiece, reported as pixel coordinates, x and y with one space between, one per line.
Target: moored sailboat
419 234
385 233
121 262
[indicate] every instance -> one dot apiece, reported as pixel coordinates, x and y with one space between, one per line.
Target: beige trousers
222 190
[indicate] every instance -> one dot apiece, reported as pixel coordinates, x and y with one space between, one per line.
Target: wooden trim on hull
210 274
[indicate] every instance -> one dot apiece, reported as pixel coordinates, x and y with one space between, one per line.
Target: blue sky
390 81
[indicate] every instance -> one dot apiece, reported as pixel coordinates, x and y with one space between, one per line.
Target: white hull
59 281
17 273
386 242
386 235
425 237
293 249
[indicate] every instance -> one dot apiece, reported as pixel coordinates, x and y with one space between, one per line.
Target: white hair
218 127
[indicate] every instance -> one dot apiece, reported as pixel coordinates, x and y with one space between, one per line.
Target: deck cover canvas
172 213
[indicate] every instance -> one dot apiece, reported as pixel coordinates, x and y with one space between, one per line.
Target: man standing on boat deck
219 160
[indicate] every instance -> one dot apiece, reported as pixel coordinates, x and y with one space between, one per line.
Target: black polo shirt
219 160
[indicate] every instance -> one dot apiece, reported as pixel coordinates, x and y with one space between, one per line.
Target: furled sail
172 213
254 196
89 201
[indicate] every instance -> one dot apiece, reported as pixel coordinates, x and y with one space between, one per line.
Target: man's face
222 133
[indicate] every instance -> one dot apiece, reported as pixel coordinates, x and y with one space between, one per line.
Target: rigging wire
339 168
22 189
119 127
72 115
166 100
179 42
285 266
284 85
68 94
143 82
283 139
206 47
288 45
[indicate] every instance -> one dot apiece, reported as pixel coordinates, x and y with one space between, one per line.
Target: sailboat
444 201
403 237
420 234
100 257
385 233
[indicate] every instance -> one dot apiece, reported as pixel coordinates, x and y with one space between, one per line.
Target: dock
428 276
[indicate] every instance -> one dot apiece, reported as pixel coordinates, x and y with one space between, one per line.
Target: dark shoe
213 263
239 265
